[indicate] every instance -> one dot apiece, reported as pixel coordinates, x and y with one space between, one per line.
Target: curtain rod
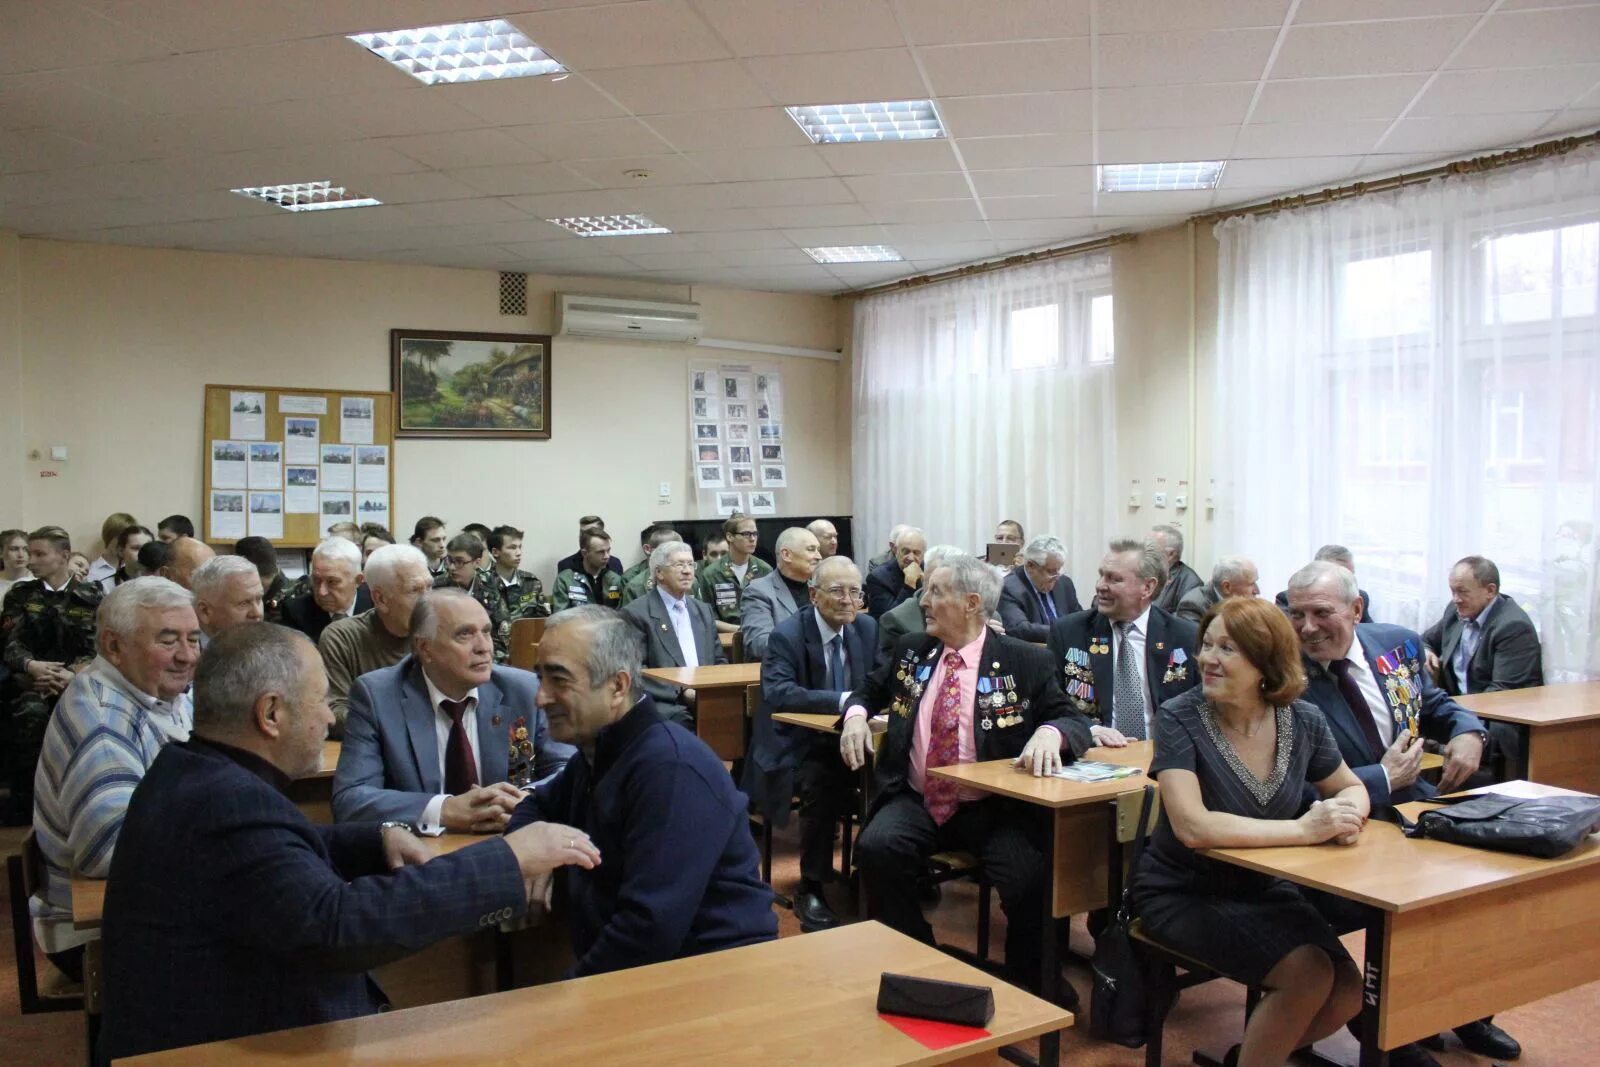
1478 165
1020 260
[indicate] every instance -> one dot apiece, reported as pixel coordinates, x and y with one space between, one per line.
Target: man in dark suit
336 592
430 740
1232 576
815 659
228 913
1125 657
960 694
774 597
900 577
678 629
1036 594
1371 682
1181 578
1344 558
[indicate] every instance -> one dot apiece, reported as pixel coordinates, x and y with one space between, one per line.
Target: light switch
58 453
1180 501
1160 500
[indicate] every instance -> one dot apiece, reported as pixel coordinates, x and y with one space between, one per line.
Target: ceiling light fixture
609 225
461 52
1159 177
308 196
855 254
894 120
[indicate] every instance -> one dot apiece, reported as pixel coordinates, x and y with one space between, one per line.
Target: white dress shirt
1138 630
678 613
441 731
828 634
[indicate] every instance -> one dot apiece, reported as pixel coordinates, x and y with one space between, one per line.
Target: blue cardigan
679 874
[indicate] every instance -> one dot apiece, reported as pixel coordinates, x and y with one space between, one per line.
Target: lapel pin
494 720
1160 647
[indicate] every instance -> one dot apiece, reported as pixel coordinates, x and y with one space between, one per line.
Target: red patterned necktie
944 743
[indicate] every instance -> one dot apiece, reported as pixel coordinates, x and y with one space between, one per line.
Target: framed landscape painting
452 384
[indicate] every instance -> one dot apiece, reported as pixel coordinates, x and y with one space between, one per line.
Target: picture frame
458 384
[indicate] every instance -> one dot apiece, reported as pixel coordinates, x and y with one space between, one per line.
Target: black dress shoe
1487 1039
813 911
1412 1056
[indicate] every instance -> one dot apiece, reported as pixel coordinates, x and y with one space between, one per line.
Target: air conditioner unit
620 317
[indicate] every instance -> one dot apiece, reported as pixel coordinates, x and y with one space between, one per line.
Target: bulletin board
285 464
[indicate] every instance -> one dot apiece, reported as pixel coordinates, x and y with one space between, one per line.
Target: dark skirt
1242 937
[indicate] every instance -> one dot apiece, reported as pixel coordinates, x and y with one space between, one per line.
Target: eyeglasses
746 533
462 562
839 592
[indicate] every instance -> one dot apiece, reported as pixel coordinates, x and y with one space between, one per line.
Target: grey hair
1173 535
907 532
614 644
937 555
341 550
895 531
660 554
1322 571
790 539
120 610
1152 561
968 574
814 525
210 577
240 665
1042 548
384 564
1336 554
425 616
832 563
1231 569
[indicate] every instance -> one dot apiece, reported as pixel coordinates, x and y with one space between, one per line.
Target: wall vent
513 293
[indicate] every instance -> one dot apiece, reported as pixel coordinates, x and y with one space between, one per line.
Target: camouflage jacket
486 591
56 625
279 590
636 582
524 597
721 588
576 587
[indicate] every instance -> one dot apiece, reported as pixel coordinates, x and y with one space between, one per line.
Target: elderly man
770 600
444 739
228 913
1371 682
815 659
960 694
1008 532
274 585
681 875
1181 578
637 580
396 577
1036 594
1232 576
337 590
827 536
462 572
227 591
906 617
592 579
184 557
113 719
898 579
722 584
678 630
1125 657
1344 558
894 540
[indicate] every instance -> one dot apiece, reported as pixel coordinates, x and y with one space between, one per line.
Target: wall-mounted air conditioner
621 317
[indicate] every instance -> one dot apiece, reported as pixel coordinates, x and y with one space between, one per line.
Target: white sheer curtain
988 398
1416 375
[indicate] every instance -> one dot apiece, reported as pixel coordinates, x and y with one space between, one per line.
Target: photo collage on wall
736 445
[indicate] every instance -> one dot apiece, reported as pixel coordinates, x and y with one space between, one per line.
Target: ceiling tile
932 234
420 187
570 205
735 224
1156 16
1184 58
963 22
1143 107
517 179
1001 208
1014 67
1533 39
1170 145
682 87
788 256
789 192
1033 181
1465 134
472 147
1275 140
839 77
662 170
56 98
778 27
22 151
1313 11
1035 150
1351 99
526 101
938 186
1287 175
951 212
679 260
395 112
754 164
838 235
1154 203
1016 113
889 157
733 242
483 209
766 127
41 36
288 122
1484 92
656 201
813 215
1396 47
623 35
598 139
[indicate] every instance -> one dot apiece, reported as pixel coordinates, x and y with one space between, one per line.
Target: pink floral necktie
944 743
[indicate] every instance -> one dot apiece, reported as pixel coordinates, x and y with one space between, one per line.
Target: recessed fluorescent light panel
609 225
1159 177
461 52
309 196
895 120
854 254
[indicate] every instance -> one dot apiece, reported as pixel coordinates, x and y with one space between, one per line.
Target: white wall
114 345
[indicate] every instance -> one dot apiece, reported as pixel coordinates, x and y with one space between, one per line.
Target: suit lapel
782 596
1452 644
816 655
991 668
1371 652
493 736
417 710
861 654
1156 654
663 625
1102 663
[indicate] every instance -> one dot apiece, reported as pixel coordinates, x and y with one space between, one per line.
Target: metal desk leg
1372 991
1049 965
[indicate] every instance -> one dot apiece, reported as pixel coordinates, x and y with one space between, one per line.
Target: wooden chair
525 637
25 875
948 867
736 647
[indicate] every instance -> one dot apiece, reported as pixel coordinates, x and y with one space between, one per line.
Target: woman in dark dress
1233 759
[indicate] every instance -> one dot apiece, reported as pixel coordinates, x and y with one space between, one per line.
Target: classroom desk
719 717
1454 933
1560 727
313 794
795 1000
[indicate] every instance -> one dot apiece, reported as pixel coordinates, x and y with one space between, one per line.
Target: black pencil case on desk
929 998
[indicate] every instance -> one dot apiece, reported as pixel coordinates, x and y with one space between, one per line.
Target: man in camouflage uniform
722 583
48 631
592 581
637 580
522 592
461 570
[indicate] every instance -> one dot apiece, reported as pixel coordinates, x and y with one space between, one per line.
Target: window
1035 337
1387 296
1533 277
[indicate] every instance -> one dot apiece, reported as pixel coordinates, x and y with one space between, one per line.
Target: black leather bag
1546 827
1117 1002
929 998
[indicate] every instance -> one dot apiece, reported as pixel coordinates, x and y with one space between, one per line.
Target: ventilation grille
513 293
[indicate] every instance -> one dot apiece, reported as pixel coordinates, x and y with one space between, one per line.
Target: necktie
460 771
1127 698
944 743
1464 653
1358 705
1049 606
836 664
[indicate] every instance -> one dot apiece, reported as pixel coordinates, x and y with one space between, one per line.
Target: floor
1562 1031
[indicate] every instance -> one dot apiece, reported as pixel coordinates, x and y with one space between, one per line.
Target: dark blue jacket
679 874
885 587
228 913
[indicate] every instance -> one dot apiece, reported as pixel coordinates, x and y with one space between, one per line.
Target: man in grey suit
1036 594
678 629
444 739
1232 576
1181 578
774 597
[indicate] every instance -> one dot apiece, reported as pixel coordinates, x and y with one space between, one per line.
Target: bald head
827 536
798 553
185 555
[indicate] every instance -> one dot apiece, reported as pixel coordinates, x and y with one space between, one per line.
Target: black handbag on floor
1117 1002
1546 827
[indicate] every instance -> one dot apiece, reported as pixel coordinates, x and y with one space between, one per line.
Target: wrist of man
432 820
853 712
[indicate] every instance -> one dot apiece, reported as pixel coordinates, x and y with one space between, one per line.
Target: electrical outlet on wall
664 493
1160 500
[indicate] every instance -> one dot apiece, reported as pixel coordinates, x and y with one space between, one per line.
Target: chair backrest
752 700
736 652
1128 805
525 637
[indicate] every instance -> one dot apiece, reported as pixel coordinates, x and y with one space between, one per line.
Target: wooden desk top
89 894
1544 705
1001 778
1395 873
725 640
796 1000
718 675
823 723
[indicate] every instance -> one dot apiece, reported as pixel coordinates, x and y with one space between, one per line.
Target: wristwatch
397 824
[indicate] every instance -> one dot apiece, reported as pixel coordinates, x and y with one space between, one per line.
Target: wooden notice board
261 410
